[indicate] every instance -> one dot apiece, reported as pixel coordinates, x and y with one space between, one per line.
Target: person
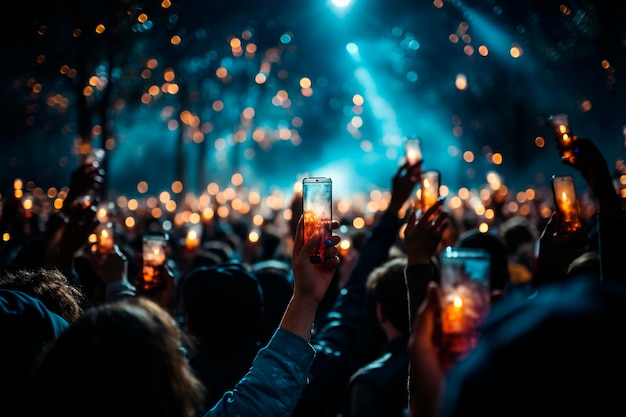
520 236
379 387
123 358
79 219
556 352
423 236
27 327
351 336
222 311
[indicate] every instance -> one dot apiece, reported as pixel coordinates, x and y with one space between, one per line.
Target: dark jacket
380 387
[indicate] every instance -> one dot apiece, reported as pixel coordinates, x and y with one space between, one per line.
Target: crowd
219 329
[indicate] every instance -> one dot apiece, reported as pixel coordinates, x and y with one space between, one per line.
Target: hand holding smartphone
317 212
566 203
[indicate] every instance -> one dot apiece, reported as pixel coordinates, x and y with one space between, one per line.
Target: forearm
416 278
299 316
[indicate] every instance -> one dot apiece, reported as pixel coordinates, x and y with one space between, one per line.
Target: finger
401 169
410 226
333 240
299 238
433 209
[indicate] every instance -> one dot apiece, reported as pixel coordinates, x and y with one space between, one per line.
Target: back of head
223 305
499 270
516 232
27 327
120 359
276 281
386 283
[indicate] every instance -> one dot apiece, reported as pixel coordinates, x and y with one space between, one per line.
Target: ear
380 316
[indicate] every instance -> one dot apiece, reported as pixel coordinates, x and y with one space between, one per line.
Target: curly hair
50 286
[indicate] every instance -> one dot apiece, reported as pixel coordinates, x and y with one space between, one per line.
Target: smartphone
566 203
430 181
154 250
562 132
105 237
412 151
317 202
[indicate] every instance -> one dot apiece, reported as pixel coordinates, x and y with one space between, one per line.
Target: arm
422 237
71 237
589 161
310 283
427 369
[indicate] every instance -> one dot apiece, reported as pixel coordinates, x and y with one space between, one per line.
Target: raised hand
423 233
583 155
403 183
557 251
311 281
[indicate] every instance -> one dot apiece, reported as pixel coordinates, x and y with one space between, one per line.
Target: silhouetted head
222 305
276 279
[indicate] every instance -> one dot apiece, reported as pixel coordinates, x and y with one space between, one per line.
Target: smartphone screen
429 186
562 132
154 249
412 151
317 212
566 203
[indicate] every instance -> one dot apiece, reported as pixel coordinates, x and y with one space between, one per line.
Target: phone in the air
566 203
154 258
317 211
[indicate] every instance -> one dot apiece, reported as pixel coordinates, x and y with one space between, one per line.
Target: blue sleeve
275 382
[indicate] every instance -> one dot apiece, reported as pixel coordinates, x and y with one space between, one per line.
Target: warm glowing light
254 236
516 51
461 82
358 223
192 240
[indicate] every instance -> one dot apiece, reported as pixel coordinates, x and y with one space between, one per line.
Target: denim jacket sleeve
274 383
